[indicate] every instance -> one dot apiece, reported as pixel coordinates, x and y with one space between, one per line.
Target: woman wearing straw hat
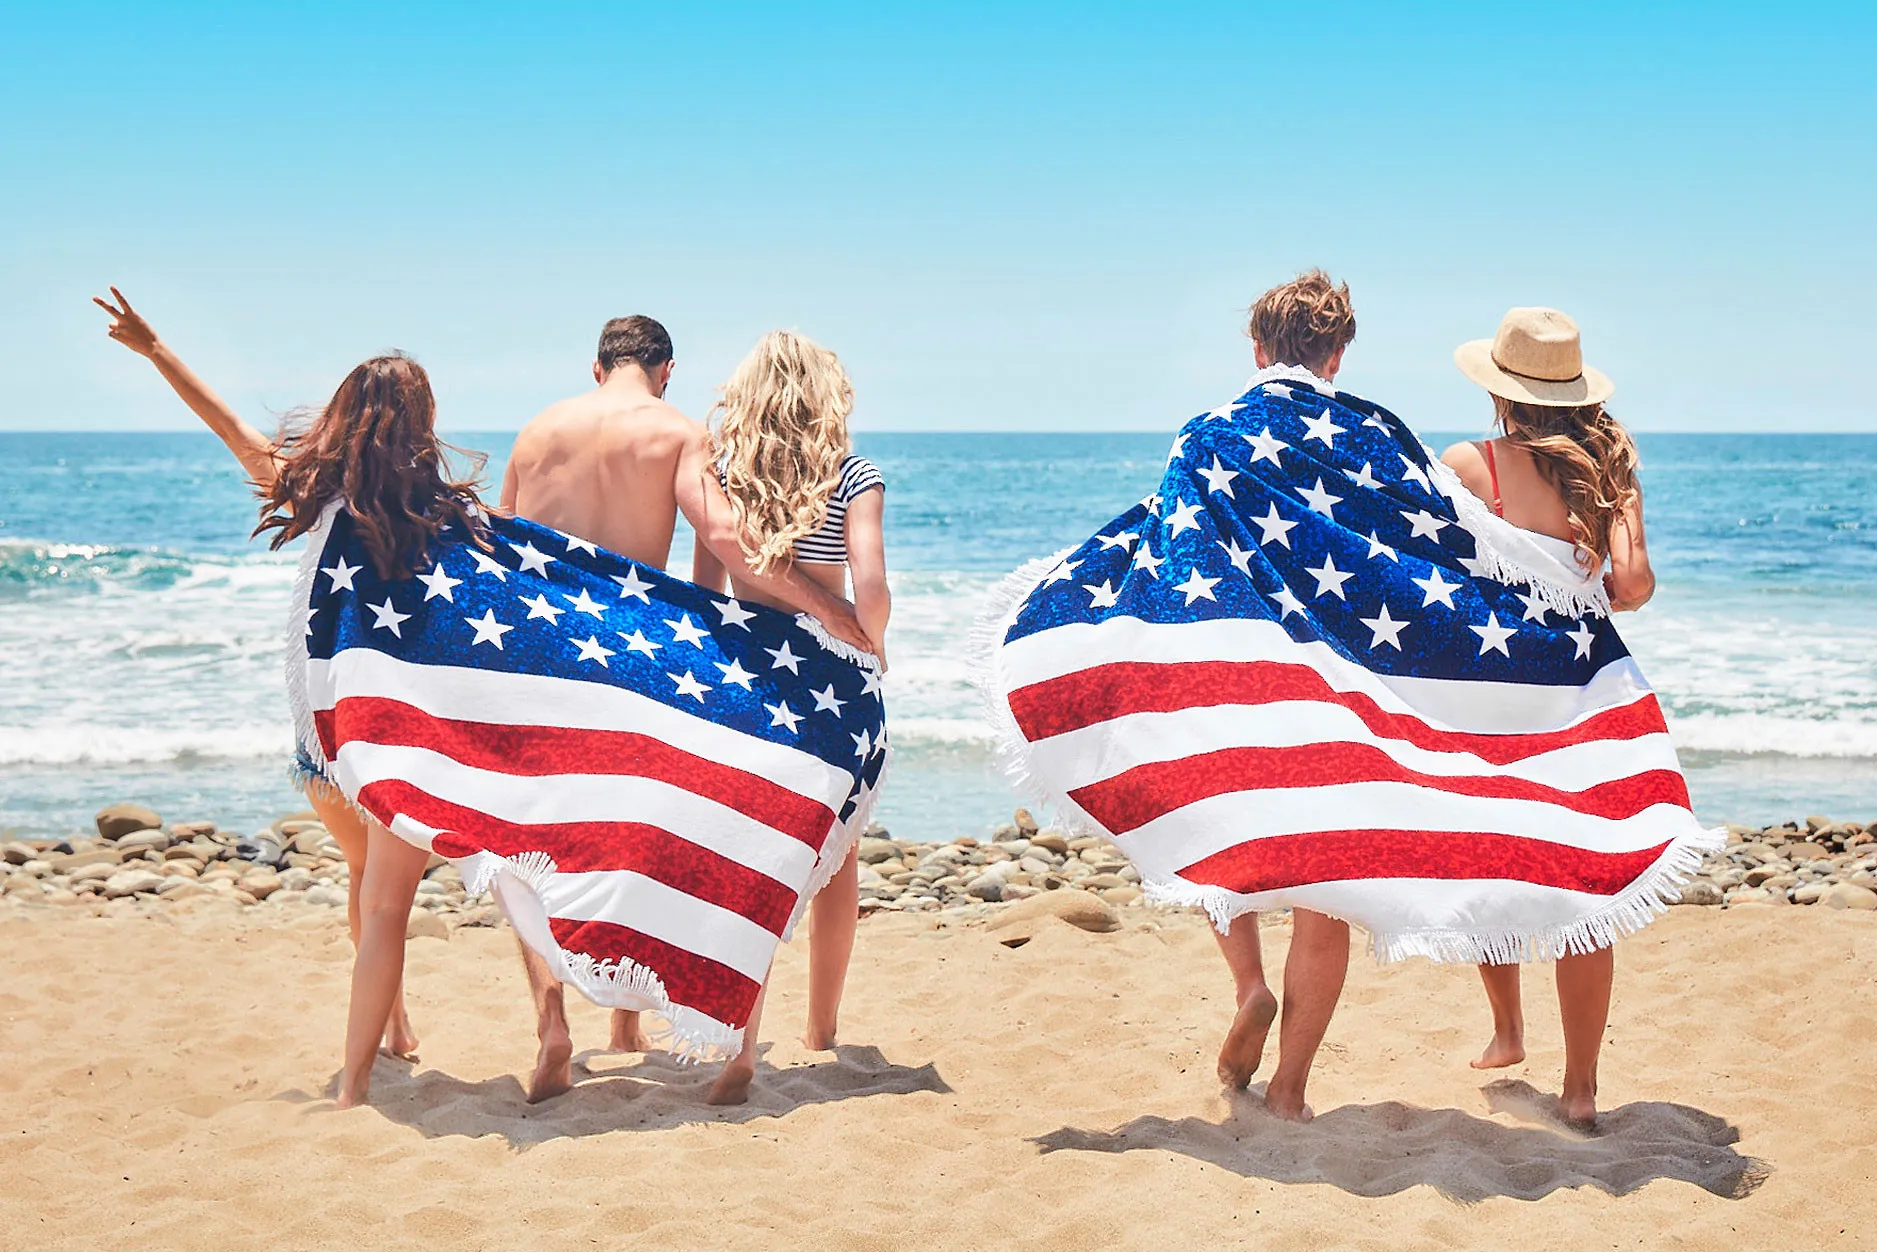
1563 468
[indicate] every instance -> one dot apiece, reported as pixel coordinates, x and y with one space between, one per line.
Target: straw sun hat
1535 358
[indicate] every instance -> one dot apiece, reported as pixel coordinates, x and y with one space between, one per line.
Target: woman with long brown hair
374 446
1564 469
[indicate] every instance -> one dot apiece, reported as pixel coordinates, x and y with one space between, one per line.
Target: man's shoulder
555 415
657 421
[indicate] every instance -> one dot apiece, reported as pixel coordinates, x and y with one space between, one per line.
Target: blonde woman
801 495
1562 468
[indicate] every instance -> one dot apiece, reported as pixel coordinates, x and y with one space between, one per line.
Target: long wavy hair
374 446
1588 457
781 435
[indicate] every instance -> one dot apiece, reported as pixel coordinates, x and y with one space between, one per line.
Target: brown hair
1588 457
374 446
635 338
1304 321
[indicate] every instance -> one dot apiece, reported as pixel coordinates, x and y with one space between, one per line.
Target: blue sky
1002 217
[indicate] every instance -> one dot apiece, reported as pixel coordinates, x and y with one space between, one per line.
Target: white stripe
665 913
625 899
410 830
526 801
1091 754
1406 905
472 695
1207 827
1445 703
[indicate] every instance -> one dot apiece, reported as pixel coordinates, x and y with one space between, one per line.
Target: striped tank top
827 544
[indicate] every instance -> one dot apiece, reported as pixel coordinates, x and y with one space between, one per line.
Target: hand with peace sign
128 326
256 452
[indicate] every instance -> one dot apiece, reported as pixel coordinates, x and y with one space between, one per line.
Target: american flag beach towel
1312 670
653 779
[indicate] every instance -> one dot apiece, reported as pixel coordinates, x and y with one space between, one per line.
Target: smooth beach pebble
261 885
132 881
1051 841
1846 895
122 819
138 840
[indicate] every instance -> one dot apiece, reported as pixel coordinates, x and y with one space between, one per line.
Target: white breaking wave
1755 734
113 745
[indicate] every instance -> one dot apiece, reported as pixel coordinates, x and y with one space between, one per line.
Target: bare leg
1508 1018
732 1085
348 830
627 1034
834 917
1243 1049
554 1062
393 869
1313 982
1584 1004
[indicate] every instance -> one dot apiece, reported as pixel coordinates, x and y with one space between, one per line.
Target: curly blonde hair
1587 455
781 435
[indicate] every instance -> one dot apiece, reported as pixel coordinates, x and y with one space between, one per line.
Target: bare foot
732 1086
1500 1053
1287 1104
400 1040
627 1036
818 1040
1579 1109
553 1067
1243 1048
351 1098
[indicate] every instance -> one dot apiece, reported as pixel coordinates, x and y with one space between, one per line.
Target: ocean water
141 632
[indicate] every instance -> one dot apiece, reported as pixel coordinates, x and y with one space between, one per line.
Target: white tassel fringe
840 647
1625 913
984 661
1507 554
689 1034
310 761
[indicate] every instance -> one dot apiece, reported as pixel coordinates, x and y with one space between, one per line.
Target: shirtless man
616 466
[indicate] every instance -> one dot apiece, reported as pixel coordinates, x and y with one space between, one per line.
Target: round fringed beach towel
654 779
1313 670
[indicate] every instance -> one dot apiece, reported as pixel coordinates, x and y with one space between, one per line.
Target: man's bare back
604 466
615 466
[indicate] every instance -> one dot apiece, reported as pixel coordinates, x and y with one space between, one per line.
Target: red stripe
538 751
1342 855
697 982
1137 796
582 847
1098 694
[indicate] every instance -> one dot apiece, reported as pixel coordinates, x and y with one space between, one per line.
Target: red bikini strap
1492 468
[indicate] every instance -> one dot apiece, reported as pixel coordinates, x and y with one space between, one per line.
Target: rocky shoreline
138 864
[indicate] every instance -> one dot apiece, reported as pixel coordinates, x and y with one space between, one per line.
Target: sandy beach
167 1078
